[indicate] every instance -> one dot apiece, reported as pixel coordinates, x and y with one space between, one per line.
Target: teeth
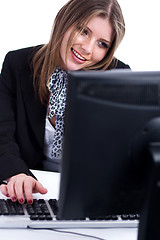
77 55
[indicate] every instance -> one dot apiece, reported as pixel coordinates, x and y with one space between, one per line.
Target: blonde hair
75 13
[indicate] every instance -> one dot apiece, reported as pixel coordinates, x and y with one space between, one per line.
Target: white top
50 163
48 138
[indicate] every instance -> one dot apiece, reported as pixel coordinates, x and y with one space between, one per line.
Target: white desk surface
51 182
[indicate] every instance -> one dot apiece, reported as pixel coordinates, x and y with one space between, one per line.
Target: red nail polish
7 195
30 201
14 199
21 200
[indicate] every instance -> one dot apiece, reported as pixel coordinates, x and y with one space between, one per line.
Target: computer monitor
111 119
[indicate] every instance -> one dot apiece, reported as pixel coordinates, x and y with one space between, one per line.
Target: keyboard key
108 217
54 205
41 217
132 216
49 217
125 217
30 210
114 217
34 217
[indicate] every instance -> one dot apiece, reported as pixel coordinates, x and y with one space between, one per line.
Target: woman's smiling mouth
78 56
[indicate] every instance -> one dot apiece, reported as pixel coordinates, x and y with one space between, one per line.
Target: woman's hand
21 187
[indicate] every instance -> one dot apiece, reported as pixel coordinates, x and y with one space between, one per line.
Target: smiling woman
89 45
33 87
104 13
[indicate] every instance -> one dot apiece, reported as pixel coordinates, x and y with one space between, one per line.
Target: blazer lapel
35 109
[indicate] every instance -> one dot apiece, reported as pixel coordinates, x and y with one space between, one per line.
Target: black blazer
22 116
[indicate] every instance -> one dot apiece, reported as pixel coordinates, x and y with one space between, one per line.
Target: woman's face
88 47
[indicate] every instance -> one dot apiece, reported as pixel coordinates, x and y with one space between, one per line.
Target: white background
29 23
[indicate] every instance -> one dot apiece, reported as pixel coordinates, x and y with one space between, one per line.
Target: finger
18 186
28 189
4 190
11 191
33 186
39 188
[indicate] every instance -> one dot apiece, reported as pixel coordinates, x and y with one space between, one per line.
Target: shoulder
121 64
117 64
20 58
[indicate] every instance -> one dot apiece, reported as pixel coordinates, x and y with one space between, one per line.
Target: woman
33 90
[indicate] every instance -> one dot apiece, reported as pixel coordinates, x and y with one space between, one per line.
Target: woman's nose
88 46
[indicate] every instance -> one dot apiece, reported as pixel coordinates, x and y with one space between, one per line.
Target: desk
51 182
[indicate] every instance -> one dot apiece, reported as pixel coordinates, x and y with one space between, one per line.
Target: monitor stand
149 225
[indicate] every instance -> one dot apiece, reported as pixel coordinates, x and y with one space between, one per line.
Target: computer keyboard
42 214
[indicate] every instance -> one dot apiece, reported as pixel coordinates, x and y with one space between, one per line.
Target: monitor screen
111 118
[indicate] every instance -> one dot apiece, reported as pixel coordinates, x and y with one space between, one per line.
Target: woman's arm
10 153
21 182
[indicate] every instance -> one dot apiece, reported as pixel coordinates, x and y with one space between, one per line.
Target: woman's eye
103 45
83 31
